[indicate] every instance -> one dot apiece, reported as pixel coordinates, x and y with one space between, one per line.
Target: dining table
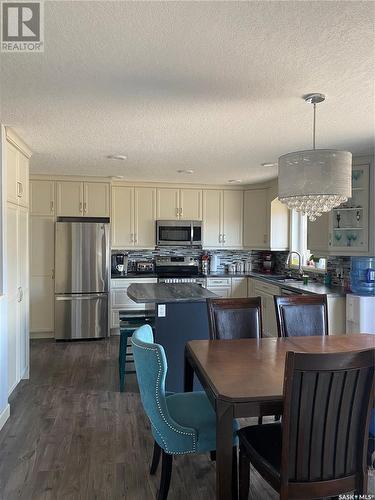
244 378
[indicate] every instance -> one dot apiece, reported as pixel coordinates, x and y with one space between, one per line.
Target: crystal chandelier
316 180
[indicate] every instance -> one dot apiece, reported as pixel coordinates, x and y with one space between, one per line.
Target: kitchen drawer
212 282
125 282
221 291
266 288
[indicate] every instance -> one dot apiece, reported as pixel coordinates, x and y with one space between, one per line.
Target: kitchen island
180 316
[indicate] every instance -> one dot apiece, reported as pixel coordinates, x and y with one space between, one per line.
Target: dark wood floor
72 435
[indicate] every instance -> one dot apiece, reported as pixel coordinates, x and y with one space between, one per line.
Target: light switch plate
161 311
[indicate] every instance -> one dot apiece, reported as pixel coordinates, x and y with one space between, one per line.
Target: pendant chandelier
316 180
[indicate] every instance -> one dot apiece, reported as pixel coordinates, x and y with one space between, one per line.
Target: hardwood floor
72 435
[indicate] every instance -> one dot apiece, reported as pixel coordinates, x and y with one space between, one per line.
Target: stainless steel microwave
187 233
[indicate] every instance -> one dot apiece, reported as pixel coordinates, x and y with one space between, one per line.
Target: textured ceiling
210 86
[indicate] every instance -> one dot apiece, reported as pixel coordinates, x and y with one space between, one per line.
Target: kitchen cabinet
42 238
82 199
17 294
120 300
266 221
133 217
17 175
69 197
222 218
42 197
239 288
346 229
266 292
222 287
179 204
251 287
96 199
17 258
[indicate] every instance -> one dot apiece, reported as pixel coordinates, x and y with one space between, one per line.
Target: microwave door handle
191 234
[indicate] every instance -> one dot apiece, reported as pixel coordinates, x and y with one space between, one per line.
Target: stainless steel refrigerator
81 279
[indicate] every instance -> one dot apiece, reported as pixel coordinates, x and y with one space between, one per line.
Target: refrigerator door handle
81 297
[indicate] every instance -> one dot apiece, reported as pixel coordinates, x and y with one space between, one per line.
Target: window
298 243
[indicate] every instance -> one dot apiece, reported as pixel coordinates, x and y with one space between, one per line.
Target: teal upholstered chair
180 422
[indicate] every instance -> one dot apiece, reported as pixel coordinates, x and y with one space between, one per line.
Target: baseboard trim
42 335
4 415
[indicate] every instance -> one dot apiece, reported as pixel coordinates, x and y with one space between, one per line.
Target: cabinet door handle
80 206
180 212
19 294
85 208
264 238
132 237
220 238
223 238
19 189
177 212
53 274
135 237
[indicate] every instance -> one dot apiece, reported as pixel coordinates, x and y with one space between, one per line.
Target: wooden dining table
244 378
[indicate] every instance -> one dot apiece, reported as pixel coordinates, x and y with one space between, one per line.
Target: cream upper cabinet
173 204
12 173
212 209
266 221
190 205
167 204
222 218
23 180
232 218
144 216
17 176
122 216
96 202
255 216
42 197
69 198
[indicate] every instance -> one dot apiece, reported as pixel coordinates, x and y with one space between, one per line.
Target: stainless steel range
178 269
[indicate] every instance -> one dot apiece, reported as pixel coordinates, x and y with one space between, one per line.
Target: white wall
4 406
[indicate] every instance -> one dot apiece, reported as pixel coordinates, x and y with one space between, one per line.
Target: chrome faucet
287 263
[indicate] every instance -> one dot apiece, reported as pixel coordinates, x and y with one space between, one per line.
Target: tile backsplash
335 265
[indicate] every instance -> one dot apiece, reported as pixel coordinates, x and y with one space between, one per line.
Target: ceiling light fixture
235 181
185 171
316 180
117 157
269 164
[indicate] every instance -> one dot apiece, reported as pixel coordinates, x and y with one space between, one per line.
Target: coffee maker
119 264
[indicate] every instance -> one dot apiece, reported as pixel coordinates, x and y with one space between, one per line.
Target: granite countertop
168 292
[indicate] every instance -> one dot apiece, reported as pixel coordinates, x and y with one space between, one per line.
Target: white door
212 210
239 288
23 180
256 214
69 197
122 217
144 217
12 155
96 201
191 204
232 218
12 296
42 197
167 204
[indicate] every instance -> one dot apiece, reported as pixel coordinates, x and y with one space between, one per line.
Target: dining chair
320 448
301 315
235 318
181 422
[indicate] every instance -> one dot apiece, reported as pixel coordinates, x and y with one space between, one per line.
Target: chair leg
155 458
260 420
244 469
235 474
213 456
165 479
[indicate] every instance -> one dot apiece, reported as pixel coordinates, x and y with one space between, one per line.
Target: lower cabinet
120 300
239 288
222 287
266 292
